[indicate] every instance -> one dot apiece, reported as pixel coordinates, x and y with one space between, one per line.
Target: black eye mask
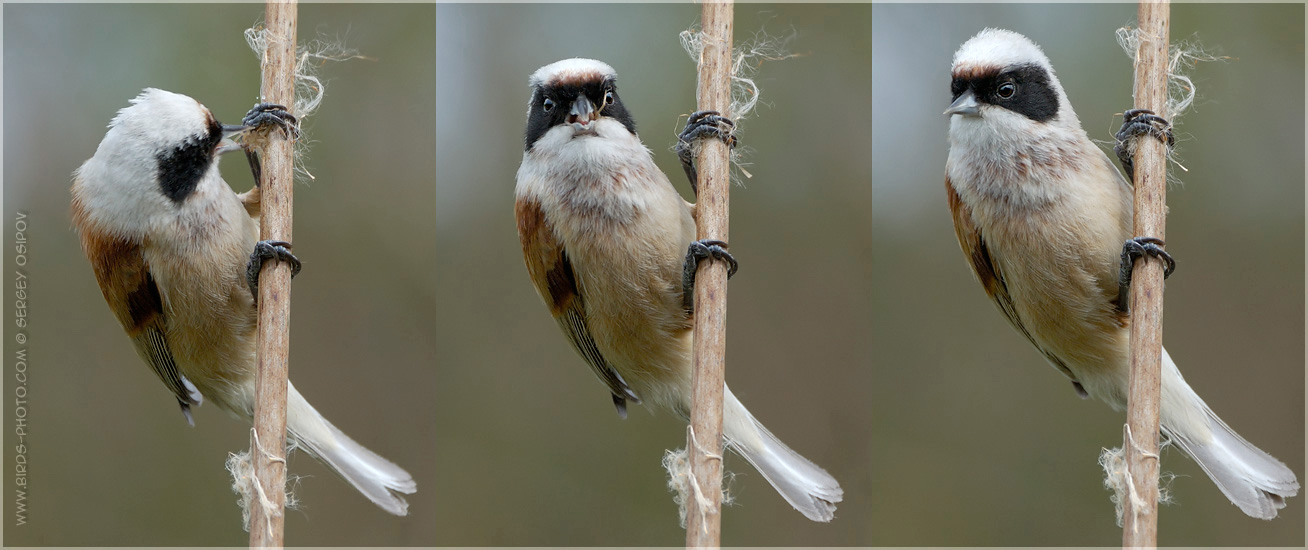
1034 97
539 120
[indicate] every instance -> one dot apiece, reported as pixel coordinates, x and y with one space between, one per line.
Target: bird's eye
608 97
1006 90
549 104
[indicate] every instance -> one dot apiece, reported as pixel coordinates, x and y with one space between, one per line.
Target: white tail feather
1252 479
371 474
803 484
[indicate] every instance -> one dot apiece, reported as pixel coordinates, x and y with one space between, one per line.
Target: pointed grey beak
583 111
226 145
965 105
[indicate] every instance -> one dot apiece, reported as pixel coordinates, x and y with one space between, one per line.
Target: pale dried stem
704 526
1140 521
266 529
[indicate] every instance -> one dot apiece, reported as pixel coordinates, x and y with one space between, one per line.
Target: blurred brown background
532 447
992 447
112 461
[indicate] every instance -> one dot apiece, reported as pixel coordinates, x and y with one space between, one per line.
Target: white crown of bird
576 69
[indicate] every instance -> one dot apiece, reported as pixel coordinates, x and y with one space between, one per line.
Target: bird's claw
273 114
702 125
699 251
264 251
1136 123
1132 250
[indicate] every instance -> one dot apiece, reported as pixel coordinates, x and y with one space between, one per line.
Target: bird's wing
551 272
130 290
991 278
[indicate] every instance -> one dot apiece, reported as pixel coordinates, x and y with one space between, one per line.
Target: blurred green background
112 461
992 440
533 451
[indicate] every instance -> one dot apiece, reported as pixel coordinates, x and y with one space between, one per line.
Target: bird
610 246
1044 220
176 254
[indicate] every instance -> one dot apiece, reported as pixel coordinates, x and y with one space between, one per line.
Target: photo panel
530 431
1005 433
110 460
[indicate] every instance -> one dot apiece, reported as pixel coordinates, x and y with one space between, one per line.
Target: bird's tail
375 477
803 484
1254 480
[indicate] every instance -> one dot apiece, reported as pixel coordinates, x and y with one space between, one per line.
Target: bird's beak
583 112
231 130
965 105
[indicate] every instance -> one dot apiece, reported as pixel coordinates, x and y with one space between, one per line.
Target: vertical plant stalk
704 518
1140 517
268 442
